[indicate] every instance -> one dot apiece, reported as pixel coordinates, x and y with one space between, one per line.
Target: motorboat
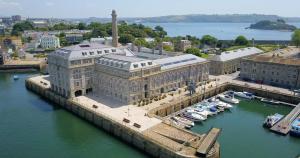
228 99
194 110
245 95
192 116
16 77
295 130
271 120
180 124
223 104
270 101
203 110
184 121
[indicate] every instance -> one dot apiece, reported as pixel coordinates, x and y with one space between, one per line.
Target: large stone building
229 62
281 68
131 79
122 73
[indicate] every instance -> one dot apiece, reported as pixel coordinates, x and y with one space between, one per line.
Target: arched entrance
78 93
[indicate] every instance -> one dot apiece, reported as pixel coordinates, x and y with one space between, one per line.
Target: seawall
149 142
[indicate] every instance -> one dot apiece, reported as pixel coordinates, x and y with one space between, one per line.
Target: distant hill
198 18
273 25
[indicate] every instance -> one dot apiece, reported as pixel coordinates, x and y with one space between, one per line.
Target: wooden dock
208 142
284 126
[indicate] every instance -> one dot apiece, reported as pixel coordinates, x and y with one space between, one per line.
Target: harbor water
32 127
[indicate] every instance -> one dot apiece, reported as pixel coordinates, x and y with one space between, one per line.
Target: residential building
274 68
183 45
2 30
49 42
2 57
229 62
16 18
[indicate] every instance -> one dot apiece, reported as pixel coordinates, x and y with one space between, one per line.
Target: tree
241 41
296 37
194 51
209 40
81 26
19 28
126 38
168 48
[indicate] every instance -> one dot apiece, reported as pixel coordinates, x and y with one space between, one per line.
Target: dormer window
99 52
91 53
135 65
113 50
143 64
106 51
149 63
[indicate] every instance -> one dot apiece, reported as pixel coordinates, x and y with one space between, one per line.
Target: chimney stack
160 48
114 29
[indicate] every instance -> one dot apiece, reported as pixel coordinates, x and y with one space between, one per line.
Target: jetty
283 127
208 141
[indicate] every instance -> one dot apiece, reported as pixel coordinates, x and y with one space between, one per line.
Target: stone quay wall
134 138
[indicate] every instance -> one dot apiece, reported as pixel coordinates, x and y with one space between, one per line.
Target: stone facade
272 70
229 62
134 85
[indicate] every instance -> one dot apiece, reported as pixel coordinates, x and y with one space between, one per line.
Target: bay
222 31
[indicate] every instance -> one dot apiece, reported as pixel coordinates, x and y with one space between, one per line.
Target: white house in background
105 40
48 41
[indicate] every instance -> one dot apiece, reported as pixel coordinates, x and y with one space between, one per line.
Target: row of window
99 52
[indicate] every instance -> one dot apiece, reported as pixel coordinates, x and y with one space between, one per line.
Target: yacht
180 124
203 110
295 130
270 101
194 110
219 103
184 121
193 116
245 95
271 120
228 99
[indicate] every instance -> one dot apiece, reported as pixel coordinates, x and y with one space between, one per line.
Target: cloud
49 4
10 4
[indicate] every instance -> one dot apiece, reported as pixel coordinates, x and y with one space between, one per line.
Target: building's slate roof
235 54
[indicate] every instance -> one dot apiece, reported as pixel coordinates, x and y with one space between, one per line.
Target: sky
145 8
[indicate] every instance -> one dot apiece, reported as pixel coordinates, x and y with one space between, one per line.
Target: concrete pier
284 125
131 124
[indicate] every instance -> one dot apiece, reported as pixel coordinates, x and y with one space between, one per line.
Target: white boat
194 110
271 120
16 77
223 104
245 95
203 111
270 101
184 121
228 99
193 116
180 124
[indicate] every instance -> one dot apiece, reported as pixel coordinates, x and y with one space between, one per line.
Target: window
149 63
99 52
135 65
106 51
113 50
143 64
91 53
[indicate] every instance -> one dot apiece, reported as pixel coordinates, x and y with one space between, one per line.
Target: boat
245 95
219 103
184 121
193 110
295 129
203 110
16 77
180 124
192 116
271 120
270 101
228 99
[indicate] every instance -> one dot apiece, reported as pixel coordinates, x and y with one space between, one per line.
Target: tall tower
114 29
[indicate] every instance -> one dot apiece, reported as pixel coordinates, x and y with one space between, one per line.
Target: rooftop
276 59
235 54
